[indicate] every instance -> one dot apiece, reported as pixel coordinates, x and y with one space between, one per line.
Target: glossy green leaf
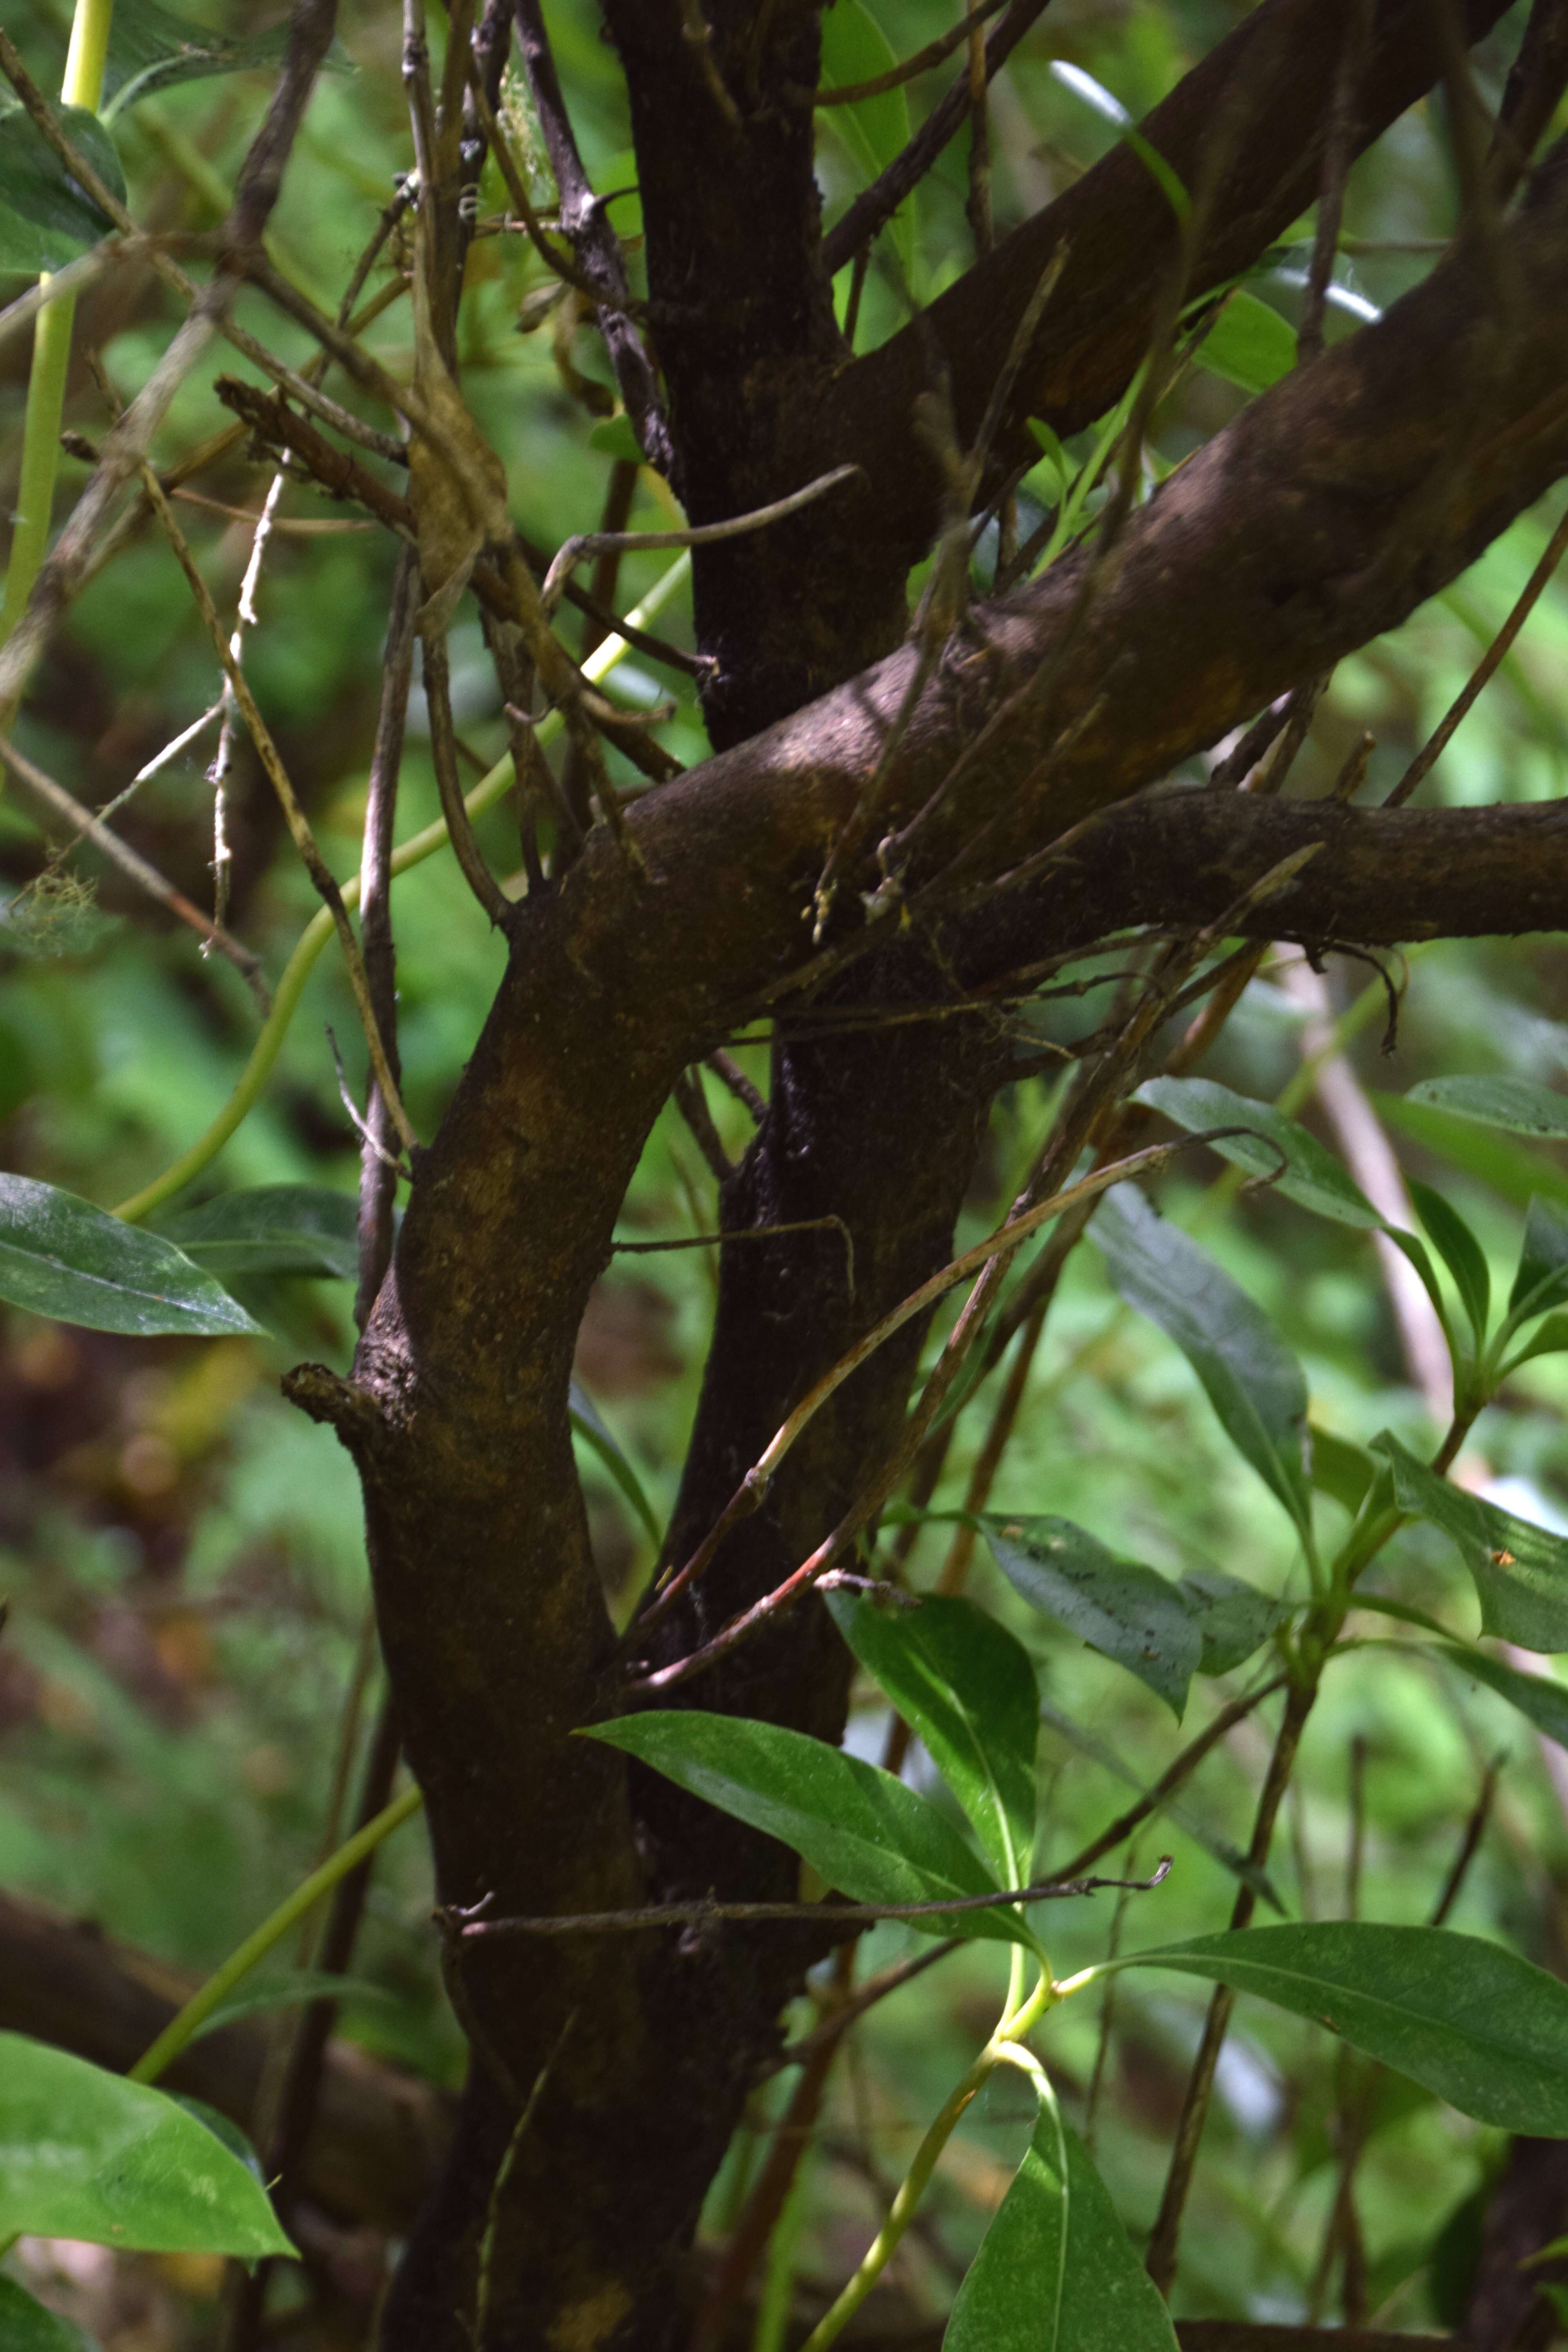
855 49
1520 1106
272 1229
44 218
61 1256
1313 1177
1120 1607
1550 1339
1233 1618
587 1423
85 2154
1512 1171
616 437
861 1828
1253 1382
1460 1251
1520 1570
1542 1277
1249 344
961 1681
1341 1468
1055 2272
26 2326
151 48
223 2129
1542 1699
1191 1825
1483 2029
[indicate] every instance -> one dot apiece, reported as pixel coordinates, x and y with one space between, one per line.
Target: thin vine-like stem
82 86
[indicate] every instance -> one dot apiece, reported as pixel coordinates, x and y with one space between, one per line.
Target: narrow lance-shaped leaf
1057 2272
1542 1277
855 49
272 1229
1460 1253
588 1423
151 48
1119 1607
1232 1617
860 1827
61 1256
1520 1570
85 2154
1276 1147
1252 1380
1482 2028
961 1681
1542 1699
1520 1106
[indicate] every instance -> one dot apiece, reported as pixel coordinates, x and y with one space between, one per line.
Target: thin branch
1437 742
444 758
705 534
132 864
465 1928
298 822
1338 149
377 1183
921 61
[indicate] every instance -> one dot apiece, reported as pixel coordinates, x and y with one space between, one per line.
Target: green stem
188 2021
83 86
319 931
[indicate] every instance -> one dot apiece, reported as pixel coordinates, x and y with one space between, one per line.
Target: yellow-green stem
83 86
272 1930
319 931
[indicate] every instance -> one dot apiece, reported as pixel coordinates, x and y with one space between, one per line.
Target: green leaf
272 1229
1121 1608
1460 1251
85 2154
1520 1570
961 1681
1249 344
616 437
1058 2273
1542 1277
44 218
1253 1382
150 49
855 49
1233 1618
1513 1172
26 2326
858 1827
1550 1339
61 1256
304 1984
1340 1468
1405 1612
1100 1751
588 1424
223 2129
1542 1699
1483 2029
1518 1105
1313 1177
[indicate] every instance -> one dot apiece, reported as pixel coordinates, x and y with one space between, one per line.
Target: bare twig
1338 147
298 824
706 534
444 758
1437 742
466 1928
851 93
132 864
